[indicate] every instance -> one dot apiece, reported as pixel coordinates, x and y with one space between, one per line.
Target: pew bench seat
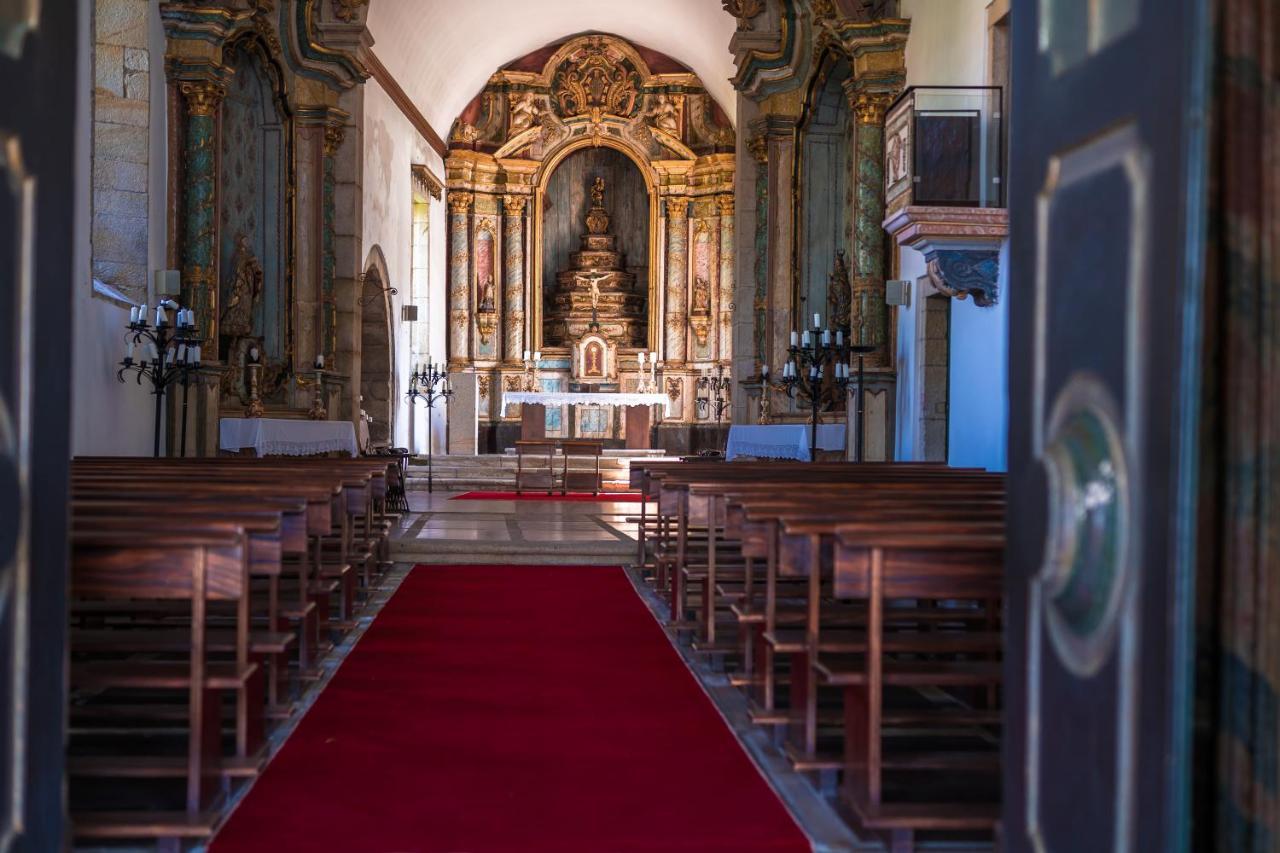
156 675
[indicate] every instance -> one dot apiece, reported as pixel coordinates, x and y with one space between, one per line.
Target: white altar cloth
781 441
287 437
585 398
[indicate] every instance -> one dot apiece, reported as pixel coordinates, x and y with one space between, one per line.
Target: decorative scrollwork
596 78
743 10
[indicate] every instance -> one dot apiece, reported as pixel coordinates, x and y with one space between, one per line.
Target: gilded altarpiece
255 137
541 116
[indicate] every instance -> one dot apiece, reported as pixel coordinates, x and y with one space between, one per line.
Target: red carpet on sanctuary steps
512 708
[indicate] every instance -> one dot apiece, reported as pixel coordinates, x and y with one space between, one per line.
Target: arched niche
647 278
825 198
564 198
377 350
255 237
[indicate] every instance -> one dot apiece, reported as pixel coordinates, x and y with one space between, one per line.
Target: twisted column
676 335
513 276
200 243
459 276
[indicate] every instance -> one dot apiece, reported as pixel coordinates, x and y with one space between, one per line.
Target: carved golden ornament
513 382
823 10
677 208
514 204
345 10
743 10
203 96
726 204
486 323
673 388
701 326
460 202
483 384
870 107
465 133
759 148
333 136
596 78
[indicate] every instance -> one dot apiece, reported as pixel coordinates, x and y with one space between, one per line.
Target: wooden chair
581 480
536 449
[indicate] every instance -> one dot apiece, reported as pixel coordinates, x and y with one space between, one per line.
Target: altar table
781 441
533 410
287 437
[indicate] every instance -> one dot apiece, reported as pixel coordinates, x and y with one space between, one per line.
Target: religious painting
593 360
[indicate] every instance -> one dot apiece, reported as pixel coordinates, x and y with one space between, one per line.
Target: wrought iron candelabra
169 353
717 385
818 368
429 382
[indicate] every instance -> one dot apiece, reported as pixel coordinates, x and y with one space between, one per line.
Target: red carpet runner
517 708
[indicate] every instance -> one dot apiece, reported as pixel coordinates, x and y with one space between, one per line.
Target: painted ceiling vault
443 53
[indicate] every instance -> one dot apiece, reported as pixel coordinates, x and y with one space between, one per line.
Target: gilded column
676 319
333 135
868 306
200 243
513 276
460 276
726 276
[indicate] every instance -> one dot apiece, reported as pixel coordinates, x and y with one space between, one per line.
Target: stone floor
442 530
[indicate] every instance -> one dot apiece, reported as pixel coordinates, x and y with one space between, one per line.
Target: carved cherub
665 113
524 111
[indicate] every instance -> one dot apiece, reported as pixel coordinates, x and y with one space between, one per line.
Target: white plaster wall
391 146
947 46
109 418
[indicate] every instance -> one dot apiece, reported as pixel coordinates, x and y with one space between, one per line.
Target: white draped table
781 441
585 398
287 437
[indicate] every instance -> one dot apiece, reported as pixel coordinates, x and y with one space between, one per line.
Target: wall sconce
366 301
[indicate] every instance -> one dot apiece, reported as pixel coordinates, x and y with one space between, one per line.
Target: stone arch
377 349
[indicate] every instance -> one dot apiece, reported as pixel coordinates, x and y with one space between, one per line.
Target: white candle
168 356
804 339
817 321
152 353
253 355
640 357
142 313
826 337
839 337
182 353
133 314
794 338
527 354
128 350
813 372
764 371
195 356
537 356
320 362
159 316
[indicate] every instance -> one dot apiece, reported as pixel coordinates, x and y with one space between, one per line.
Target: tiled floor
435 518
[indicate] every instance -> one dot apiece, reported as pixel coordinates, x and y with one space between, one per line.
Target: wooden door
1106 195
38 58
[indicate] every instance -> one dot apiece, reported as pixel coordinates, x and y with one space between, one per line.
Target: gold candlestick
318 411
254 409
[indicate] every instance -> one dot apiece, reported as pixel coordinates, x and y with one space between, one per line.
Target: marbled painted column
460 277
759 149
200 243
677 297
868 230
333 134
726 277
513 276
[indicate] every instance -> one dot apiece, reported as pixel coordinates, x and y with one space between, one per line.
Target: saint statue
245 291
597 192
524 112
701 296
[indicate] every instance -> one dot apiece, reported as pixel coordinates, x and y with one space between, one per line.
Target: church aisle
511 708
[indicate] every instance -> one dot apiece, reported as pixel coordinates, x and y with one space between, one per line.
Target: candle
817 321
133 314
839 337
168 357
320 362
640 357
182 353
527 354
159 316
804 339
537 356
128 350
195 354
794 338
826 337
253 355
142 313
152 353
764 371
813 372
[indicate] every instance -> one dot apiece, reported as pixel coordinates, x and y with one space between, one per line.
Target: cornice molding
402 100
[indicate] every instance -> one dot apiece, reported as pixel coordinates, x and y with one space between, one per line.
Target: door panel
1104 117
37 173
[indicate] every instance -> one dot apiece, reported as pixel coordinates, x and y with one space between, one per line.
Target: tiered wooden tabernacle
597 293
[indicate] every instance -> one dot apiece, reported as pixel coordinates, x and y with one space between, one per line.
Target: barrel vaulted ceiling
442 51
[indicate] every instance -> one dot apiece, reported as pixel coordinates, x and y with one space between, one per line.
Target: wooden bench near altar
534 403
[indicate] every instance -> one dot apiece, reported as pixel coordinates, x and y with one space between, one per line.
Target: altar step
497 472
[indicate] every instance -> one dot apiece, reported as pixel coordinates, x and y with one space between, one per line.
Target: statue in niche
665 113
245 292
839 293
701 296
524 112
486 294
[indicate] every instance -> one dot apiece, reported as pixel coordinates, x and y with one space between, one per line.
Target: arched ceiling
441 53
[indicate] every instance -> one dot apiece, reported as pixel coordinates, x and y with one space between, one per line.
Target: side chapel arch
377 349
